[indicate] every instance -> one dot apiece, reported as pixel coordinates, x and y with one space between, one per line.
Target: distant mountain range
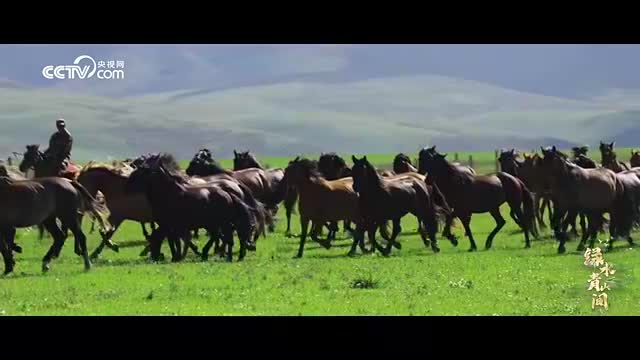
290 99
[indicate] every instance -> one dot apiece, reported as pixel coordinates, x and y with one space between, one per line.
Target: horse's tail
432 210
529 210
262 216
443 210
624 209
95 208
248 218
290 200
517 193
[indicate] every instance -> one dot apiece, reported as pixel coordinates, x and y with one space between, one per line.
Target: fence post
9 161
455 157
471 161
495 160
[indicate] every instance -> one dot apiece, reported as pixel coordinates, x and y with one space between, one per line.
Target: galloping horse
529 172
179 208
469 194
246 160
41 201
590 191
381 199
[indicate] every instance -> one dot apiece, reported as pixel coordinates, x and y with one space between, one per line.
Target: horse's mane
167 160
310 168
335 157
120 169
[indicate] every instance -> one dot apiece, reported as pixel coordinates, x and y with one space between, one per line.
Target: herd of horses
153 190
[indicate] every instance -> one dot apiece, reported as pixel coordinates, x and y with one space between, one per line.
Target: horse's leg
213 238
106 237
10 238
446 232
304 223
227 236
372 227
316 228
597 224
397 229
540 203
499 224
466 222
358 239
289 202
155 243
58 241
174 238
6 238
80 239
558 230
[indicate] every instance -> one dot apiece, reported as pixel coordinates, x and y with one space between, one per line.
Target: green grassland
505 280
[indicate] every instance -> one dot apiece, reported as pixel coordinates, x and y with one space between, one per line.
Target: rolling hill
376 115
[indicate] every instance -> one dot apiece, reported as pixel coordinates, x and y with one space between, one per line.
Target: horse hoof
527 246
17 248
115 248
435 249
472 249
580 247
45 268
561 250
351 254
397 245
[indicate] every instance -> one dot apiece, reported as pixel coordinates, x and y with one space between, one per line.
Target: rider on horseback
60 145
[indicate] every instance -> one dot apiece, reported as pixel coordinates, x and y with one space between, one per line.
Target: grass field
506 280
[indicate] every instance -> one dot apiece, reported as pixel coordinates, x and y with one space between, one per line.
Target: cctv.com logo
103 70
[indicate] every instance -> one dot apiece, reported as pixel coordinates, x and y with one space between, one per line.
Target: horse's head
607 151
508 162
244 160
300 169
332 166
635 158
580 151
402 163
429 160
31 158
554 161
362 172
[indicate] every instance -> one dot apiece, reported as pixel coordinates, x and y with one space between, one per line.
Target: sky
572 71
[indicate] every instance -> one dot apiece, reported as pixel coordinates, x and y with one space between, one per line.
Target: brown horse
111 182
609 160
179 208
262 184
34 159
530 173
581 159
41 201
591 191
469 194
321 201
246 160
382 199
635 159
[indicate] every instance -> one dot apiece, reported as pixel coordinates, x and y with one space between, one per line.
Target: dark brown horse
246 160
381 200
609 160
41 201
262 184
110 181
469 194
529 172
34 159
180 208
589 191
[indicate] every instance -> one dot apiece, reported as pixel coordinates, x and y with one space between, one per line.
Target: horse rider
60 145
